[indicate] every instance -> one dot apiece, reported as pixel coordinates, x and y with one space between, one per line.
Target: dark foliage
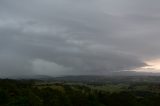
26 93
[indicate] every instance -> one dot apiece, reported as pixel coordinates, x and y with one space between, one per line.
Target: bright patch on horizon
153 67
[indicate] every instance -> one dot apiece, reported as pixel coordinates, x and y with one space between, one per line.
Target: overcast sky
77 37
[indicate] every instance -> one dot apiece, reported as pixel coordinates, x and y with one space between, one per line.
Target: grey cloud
76 37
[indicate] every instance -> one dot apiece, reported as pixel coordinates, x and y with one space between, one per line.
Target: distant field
108 87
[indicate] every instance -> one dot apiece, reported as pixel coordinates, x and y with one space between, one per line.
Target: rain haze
79 37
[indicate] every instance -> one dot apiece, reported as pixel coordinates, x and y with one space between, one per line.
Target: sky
79 37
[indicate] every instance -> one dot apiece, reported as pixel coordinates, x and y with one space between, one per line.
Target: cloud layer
67 37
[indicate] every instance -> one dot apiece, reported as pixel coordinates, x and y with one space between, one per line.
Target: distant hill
93 79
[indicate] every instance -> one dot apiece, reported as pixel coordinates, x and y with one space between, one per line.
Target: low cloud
77 37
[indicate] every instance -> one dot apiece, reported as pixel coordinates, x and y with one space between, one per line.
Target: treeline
26 93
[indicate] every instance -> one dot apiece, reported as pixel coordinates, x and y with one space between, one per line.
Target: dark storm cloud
77 37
